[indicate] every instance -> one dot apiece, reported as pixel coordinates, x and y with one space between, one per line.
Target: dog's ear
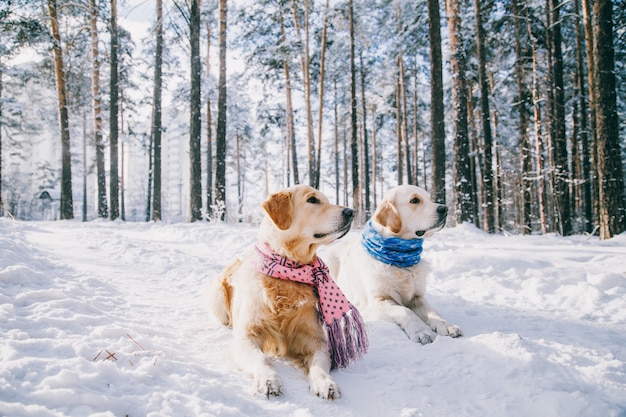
388 216
278 207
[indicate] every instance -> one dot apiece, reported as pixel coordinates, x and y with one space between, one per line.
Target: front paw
447 329
454 331
325 388
423 336
269 386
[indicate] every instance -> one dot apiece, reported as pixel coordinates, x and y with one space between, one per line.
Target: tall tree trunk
336 134
1 101
476 164
157 111
306 79
462 174
438 132
67 204
291 138
404 125
84 165
113 118
610 169
96 100
366 150
122 185
415 125
150 171
195 124
522 108
209 133
220 148
589 44
374 155
320 113
353 118
584 130
561 173
538 132
399 159
485 122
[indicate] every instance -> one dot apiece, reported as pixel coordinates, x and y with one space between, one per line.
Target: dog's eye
415 200
313 200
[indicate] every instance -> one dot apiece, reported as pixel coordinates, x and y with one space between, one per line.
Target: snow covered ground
106 319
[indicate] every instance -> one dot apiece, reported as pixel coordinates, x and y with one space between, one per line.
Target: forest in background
510 111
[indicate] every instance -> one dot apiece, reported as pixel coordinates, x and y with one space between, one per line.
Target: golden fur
275 317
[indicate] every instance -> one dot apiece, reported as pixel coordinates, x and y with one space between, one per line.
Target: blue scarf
391 250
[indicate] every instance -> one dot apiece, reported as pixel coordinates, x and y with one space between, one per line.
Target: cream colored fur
387 292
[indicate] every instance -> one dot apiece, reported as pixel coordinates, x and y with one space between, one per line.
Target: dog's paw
325 388
269 386
423 336
447 329
454 331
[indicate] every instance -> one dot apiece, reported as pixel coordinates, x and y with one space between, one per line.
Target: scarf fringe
347 339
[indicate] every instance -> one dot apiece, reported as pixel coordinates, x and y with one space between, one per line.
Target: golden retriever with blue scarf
382 272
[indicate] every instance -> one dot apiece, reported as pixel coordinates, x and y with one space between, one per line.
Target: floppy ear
278 207
388 216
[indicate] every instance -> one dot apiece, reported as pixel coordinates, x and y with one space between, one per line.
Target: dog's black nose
442 210
348 213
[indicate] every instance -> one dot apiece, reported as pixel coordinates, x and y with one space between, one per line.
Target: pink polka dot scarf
345 330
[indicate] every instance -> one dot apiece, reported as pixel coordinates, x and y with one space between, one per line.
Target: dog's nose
348 213
442 210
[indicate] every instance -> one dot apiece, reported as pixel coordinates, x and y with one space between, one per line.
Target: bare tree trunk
610 169
1 101
475 161
415 125
96 98
306 79
291 138
399 159
561 173
114 212
438 132
353 118
589 43
220 149
67 204
209 134
485 122
538 133
336 134
321 103
157 112
584 130
1 203
195 123
522 108
84 166
366 151
462 175
374 154
122 191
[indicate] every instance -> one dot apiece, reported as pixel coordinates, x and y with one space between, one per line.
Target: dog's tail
220 294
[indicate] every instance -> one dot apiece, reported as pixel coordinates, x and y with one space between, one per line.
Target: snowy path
544 321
